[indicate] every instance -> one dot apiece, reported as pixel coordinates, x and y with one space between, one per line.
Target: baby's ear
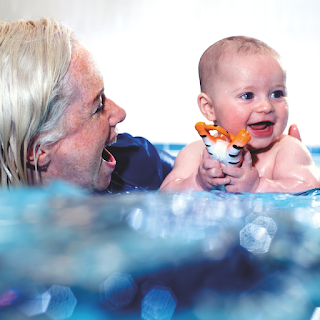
206 106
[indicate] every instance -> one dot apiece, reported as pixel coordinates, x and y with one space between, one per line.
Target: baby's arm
293 171
194 171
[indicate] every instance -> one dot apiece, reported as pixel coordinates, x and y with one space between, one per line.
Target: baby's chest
265 166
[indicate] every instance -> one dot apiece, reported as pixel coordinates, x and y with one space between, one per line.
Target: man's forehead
83 66
85 74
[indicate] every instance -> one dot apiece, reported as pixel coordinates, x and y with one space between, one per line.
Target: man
55 118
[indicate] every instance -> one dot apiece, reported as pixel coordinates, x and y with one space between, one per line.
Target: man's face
91 125
251 94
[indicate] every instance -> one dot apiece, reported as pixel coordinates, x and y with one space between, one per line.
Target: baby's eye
247 95
277 94
101 105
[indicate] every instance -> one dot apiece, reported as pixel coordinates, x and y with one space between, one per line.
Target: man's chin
103 185
101 191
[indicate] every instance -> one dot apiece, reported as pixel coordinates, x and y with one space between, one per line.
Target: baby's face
251 94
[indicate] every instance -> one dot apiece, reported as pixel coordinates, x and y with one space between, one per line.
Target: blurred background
148 255
149 50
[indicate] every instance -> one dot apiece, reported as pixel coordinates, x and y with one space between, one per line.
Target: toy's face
251 94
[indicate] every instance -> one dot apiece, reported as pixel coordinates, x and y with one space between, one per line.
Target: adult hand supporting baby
243 179
210 173
294 132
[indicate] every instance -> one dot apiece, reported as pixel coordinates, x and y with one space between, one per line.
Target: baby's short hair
211 58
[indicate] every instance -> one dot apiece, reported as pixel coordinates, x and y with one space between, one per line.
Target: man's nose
117 114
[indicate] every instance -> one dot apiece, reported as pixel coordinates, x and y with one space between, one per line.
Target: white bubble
257 205
36 305
316 220
180 203
62 303
266 223
316 314
135 218
158 304
118 291
255 238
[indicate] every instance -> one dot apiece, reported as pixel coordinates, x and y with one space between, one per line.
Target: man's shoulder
140 165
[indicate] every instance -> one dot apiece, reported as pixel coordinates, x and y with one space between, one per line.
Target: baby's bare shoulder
185 165
287 142
292 149
294 161
192 149
284 138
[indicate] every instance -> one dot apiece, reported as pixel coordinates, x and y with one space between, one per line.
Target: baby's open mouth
261 125
261 129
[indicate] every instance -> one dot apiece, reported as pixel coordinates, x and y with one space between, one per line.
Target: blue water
316 159
174 149
67 254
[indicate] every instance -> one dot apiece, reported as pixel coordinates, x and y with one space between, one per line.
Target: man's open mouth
106 155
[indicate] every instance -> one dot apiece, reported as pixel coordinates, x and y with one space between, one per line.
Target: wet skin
248 92
91 125
251 94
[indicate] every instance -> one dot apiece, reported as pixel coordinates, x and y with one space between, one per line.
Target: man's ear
206 106
43 156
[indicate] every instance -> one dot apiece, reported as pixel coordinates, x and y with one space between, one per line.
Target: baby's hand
210 174
243 179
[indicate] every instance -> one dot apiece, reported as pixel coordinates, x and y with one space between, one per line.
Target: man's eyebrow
98 95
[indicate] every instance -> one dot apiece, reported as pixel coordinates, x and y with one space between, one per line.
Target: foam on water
65 253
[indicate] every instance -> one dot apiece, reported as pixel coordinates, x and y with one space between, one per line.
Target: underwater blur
67 254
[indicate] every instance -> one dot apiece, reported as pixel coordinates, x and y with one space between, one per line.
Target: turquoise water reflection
316 159
65 253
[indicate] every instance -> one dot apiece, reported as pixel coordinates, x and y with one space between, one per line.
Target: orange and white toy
225 148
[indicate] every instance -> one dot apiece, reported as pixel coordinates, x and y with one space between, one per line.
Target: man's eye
247 95
277 94
101 106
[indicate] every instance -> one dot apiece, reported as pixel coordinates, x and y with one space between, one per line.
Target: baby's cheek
282 121
286 116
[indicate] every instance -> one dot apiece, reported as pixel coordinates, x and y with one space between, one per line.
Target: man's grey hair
34 92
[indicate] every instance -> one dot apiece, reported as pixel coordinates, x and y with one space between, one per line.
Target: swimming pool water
174 149
316 159
65 253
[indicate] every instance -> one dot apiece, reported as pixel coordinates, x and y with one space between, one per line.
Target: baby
243 85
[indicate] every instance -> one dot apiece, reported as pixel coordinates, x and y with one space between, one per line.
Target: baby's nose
265 106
